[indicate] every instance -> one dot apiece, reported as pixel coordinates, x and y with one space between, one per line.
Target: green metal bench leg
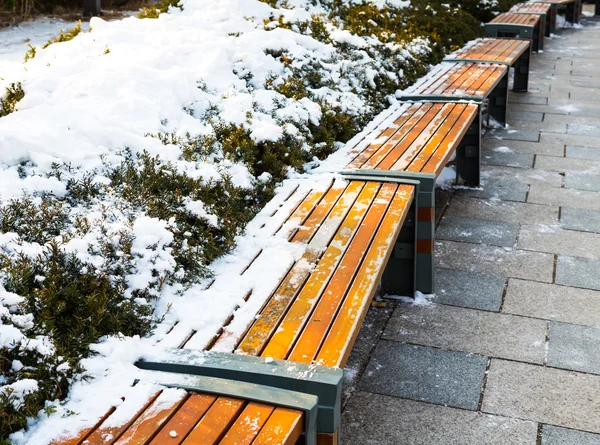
468 155
553 15
426 237
521 77
597 8
498 101
400 274
578 11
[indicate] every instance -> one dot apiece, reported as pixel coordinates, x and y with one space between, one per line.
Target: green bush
65 36
14 93
161 7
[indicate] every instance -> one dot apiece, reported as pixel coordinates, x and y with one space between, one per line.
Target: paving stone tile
545 395
582 181
574 117
373 419
585 84
573 347
578 272
495 260
493 233
554 109
579 219
527 99
552 302
459 329
585 110
569 139
426 374
515 135
553 163
549 149
584 130
468 289
504 190
582 199
553 239
520 127
370 333
526 176
586 97
583 153
509 159
554 435
531 116
496 210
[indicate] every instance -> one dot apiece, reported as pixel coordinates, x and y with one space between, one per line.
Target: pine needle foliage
158 9
13 94
65 36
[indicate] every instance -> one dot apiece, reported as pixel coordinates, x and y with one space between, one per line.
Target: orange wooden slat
421 111
263 328
306 207
108 433
435 143
81 435
248 424
431 132
337 345
216 422
318 215
439 159
149 423
468 70
184 420
398 150
365 154
284 338
314 333
328 439
284 427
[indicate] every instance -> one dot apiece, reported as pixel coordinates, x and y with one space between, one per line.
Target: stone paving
508 350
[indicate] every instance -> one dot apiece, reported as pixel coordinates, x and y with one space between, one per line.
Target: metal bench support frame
533 32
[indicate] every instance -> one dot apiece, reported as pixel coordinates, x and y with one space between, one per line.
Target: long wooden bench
350 229
511 52
485 83
573 9
543 9
417 145
524 26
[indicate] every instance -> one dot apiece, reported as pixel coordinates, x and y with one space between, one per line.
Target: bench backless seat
543 9
573 9
486 83
511 52
418 144
524 26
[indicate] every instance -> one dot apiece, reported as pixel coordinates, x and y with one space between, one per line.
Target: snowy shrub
30 54
13 94
155 10
64 36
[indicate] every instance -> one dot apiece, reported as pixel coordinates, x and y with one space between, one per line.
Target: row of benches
277 378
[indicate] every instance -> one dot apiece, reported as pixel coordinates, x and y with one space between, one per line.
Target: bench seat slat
424 138
184 420
79 437
321 319
216 422
487 49
146 426
462 73
384 161
440 157
108 434
341 337
412 114
248 425
263 328
283 339
284 427
439 142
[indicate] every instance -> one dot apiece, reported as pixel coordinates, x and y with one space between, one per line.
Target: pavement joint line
554 268
504 292
547 344
484 383
538 440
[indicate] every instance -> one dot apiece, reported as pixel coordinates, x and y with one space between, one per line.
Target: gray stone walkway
509 350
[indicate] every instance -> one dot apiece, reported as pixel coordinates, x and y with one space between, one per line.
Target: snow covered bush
13 94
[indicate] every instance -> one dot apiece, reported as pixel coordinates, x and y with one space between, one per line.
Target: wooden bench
417 145
512 52
524 26
543 9
573 9
350 228
485 83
